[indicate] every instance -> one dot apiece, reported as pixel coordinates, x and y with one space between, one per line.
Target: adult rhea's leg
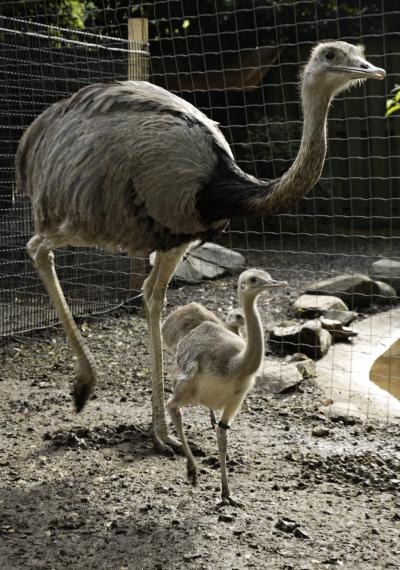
154 289
39 248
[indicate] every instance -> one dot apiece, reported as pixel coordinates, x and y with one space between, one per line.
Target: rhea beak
362 69
272 284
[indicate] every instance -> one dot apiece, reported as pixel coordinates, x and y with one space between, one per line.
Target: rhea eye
253 279
329 55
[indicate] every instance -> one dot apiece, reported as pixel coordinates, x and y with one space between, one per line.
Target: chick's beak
273 283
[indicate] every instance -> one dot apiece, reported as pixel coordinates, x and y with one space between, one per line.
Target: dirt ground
89 491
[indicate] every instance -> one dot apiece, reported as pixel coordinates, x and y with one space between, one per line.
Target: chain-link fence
39 66
238 62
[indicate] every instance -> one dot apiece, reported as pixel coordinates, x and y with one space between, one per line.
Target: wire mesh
39 66
239 63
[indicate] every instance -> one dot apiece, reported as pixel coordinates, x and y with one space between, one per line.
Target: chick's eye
329 55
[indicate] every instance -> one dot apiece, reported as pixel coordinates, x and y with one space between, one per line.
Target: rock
345 317
337 330
297 357
289 525
387 294
192 556
287 333
232 261
315 305
286 524
194 270
356 289
387 270
223 517
307 368
314 340
346 412
309 338
277 377
300 533
304 365
207 261
320 431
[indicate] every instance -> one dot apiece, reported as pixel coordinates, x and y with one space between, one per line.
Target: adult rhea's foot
166 443
192 473
230 501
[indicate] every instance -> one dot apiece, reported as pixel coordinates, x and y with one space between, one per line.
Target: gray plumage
131 166
217 368
184 319
119 165
235 321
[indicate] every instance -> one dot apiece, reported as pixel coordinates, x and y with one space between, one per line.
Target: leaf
392 110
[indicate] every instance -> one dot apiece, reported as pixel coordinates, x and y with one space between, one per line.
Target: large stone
285 339
337 329
310 338
278 377
315 305
345 317
387 294
192 269
346 412
232 261
387 270
315 341
356 289
207 261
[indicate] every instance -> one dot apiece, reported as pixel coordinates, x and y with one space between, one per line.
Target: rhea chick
184 319
234 321
217 368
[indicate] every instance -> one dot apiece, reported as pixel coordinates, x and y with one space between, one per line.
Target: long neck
307 167
232 193
251 357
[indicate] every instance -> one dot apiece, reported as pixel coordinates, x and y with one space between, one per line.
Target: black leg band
223 425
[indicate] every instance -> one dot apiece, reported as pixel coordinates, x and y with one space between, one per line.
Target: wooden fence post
138 69
138 36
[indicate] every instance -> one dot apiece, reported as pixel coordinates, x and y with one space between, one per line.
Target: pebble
321 431
223 517
300 533
286 524
192 556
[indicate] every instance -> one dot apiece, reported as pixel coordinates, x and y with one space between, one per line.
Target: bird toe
81 395
192 474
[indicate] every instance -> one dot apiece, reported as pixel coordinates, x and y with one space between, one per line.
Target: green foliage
393 104
73 12
64 13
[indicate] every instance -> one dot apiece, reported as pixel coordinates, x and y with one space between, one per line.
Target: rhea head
336 65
